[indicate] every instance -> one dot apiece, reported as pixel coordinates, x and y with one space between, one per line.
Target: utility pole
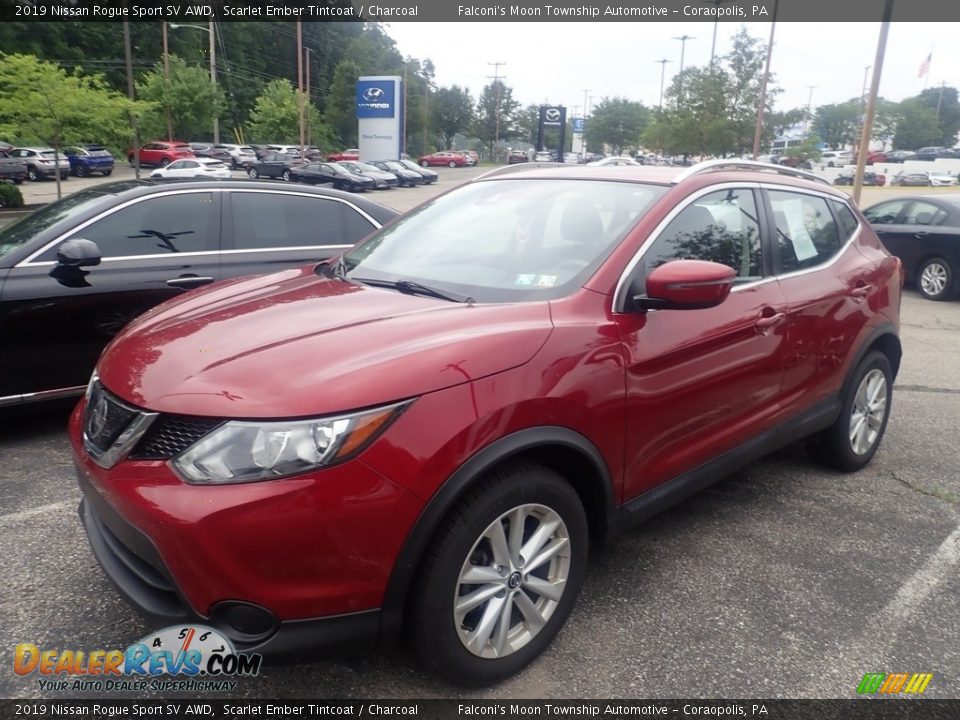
811 88
496 78
307 99
300 78
213 82
762 105
166 81
940 101
872 99
403 141
128 56
713 46
663 77
683 47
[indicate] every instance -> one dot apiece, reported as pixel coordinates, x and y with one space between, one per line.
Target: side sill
655 501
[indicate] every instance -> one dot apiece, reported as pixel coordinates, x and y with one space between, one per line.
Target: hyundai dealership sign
380 117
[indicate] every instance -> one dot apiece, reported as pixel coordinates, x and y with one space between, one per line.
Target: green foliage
497 114
807 150
839 124
188 94
713 111
10 196
451 112
617 122
276 117
40 103
341 113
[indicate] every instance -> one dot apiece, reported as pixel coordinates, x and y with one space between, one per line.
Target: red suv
432 428
161 153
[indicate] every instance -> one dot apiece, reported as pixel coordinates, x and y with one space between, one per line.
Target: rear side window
277 220
848 221
720 227
924 213
158 226
807 234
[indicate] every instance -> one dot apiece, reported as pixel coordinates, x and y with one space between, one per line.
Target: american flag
925 66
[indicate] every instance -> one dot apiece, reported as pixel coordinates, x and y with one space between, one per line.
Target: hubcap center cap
513 582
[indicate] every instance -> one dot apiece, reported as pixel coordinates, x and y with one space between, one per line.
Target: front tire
33 175
285 175
253 173
80 171
424 163
500 576
451 164
850 443
163 162
107 173
935 279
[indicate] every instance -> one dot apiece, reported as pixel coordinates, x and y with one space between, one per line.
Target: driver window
720 227
158 226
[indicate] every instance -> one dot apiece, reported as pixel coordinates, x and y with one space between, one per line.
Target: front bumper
291 568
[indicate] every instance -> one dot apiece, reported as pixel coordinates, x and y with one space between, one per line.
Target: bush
10 196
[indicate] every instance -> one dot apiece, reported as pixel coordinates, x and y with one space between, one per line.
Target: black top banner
478 10
211 709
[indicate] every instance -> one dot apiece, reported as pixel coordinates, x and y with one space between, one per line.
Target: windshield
506 240
366 167
24 230
410 164
394 165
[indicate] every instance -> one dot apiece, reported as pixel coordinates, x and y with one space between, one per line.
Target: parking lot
782 580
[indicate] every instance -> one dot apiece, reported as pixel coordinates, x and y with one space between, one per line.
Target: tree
839 124
452 112
496 115
917 127
189 95
341 114
276 117
42 103
617 122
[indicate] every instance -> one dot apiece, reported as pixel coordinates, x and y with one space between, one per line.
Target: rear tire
517 606
253 173
80 171
935 279
107 173
424 163
851 442
451 164
285 175
33 175
164 162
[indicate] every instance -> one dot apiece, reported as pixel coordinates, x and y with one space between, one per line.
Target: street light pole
663 76
761 106
166 82
872 100
713 45
811 88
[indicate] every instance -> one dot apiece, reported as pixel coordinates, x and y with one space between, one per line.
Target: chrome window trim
619 293
28 261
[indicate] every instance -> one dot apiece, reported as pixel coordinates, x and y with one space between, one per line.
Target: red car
431 429
450 159
351 154
162 153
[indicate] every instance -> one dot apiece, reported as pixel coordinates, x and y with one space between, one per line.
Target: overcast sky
555 62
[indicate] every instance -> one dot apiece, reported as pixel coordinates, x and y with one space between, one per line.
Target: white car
836 158
241 156
615 160
193 168
941 179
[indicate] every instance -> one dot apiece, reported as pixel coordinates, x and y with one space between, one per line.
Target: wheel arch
565 451
885 339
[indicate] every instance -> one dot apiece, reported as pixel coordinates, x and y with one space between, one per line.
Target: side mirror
78 253
686 285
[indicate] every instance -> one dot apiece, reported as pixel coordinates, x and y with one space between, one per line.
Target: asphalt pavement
782 580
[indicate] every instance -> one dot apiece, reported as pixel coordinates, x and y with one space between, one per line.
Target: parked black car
869 178
429 176
274 165
932 153
334 174
405 176
216 152
924 232
899 156
76 271
90 158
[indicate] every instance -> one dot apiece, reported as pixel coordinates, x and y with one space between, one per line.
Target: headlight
247 451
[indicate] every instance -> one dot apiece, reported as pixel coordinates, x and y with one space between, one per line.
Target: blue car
86 159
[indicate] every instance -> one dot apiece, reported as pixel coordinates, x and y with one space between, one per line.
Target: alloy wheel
868 412
933 279
512 581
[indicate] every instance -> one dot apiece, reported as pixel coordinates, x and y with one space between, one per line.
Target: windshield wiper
414 288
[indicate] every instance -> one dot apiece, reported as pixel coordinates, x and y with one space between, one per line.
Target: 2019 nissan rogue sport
432 428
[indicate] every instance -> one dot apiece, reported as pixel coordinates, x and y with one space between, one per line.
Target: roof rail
721 164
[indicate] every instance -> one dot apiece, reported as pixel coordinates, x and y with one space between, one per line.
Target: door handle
766 322
189 281
921 234
861 291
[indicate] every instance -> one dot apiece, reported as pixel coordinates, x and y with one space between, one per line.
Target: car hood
293 344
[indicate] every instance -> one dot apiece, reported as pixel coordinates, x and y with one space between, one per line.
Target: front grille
172 434
105 418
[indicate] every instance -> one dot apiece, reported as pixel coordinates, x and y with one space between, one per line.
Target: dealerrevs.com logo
199 657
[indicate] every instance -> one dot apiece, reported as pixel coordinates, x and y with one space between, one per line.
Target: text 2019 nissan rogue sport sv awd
432 428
